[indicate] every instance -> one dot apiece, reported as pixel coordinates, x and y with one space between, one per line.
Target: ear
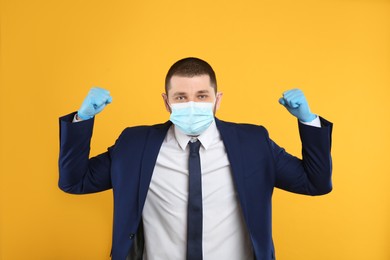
166 102
218 99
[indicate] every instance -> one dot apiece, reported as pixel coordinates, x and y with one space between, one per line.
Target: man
194 187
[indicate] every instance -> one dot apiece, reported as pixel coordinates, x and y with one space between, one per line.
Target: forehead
190 84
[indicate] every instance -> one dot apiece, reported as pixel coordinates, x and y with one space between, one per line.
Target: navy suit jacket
257 163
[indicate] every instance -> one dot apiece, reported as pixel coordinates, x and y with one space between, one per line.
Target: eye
202 96
180 98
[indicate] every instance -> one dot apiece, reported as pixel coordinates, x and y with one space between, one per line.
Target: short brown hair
190 67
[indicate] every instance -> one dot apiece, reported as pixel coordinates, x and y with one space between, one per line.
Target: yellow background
338 52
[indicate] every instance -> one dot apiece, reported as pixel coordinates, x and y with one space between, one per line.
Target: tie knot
194 146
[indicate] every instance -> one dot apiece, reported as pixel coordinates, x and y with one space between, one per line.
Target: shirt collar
206 138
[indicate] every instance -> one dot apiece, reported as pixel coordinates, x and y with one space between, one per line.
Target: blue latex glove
94 103
295 102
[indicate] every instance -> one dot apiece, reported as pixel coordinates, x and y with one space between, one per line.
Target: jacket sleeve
79 174
311 175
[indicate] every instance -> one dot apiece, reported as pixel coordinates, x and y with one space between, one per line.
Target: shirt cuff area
75 120
316 122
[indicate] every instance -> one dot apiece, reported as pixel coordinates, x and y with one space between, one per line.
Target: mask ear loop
168 105
215 103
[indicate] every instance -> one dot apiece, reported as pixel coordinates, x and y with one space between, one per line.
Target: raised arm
312 174
79 174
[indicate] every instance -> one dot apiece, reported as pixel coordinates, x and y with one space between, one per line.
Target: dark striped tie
194 224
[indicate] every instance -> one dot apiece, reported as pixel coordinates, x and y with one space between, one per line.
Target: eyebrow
203 91
179 94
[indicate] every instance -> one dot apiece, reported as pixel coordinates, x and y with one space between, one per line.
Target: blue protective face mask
192 118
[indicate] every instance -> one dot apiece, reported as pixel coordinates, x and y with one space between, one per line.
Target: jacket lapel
152 147
233 148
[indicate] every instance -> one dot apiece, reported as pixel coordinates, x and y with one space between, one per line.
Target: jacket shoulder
138 133
243 128
145 128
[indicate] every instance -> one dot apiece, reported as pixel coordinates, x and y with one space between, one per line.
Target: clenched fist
295 102
94 103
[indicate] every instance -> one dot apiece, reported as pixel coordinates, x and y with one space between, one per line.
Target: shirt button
131 236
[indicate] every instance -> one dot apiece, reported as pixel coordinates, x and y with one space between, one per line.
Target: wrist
308 118
84 116
80 116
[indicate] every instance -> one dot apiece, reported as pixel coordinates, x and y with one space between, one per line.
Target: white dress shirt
225 235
